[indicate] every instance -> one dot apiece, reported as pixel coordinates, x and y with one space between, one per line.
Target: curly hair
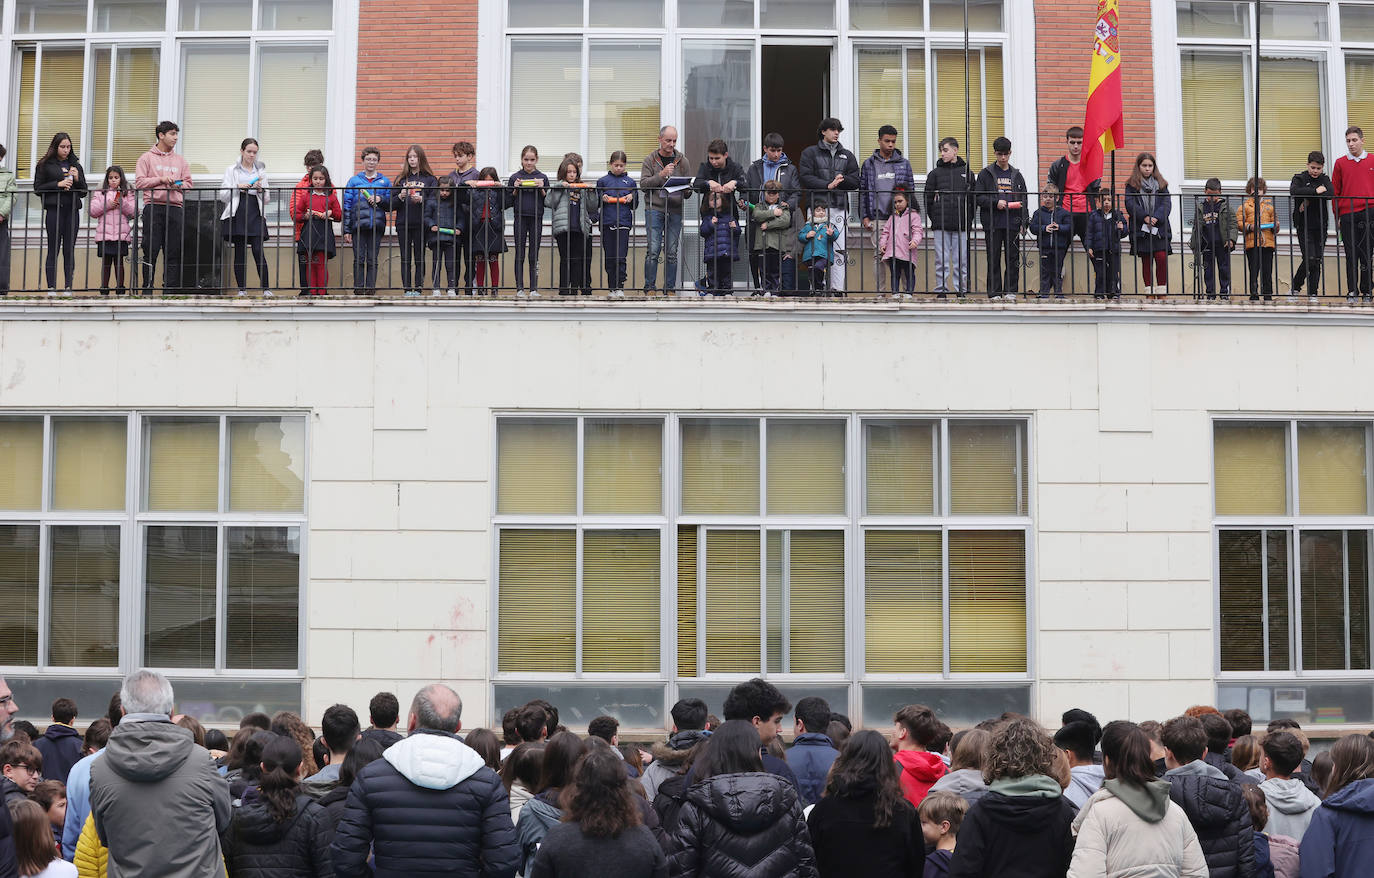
290 724
599 800
1020 747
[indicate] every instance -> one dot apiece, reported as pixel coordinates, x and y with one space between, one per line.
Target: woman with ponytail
277 831
1130 826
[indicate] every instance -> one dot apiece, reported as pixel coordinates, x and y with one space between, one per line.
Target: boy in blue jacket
364 224
445 235
818 247
719 239
1106 228
1052 226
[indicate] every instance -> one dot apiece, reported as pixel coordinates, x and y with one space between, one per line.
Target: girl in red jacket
315 214
312 158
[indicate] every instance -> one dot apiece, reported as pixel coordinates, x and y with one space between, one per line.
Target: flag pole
968 144
1255 222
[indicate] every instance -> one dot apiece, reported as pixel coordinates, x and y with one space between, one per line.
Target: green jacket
1225 220
6 192
777 236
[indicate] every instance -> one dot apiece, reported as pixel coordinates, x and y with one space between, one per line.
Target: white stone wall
401 458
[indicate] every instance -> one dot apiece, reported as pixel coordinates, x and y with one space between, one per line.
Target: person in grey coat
159 804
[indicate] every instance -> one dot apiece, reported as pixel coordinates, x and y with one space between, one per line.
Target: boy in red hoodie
916 729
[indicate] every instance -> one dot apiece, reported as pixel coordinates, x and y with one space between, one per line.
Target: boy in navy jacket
1052 226
1106 229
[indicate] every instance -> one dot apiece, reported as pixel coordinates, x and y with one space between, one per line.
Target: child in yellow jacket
1259 256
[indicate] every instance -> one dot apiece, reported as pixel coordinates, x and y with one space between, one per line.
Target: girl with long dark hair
545 810
277 831
413 196
1149 204
62 182
863 825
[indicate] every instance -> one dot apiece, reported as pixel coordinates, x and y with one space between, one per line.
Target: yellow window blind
879 74
622 101
134 81
620 601
179 617
774 565
83 616
917 146
900 464
19 594
687 601
1330 558
1332 476
622 467
546 96
537 601
720 467
289 124
59 97
903 602
949 102
183 465
262 583
536 467
1242 556
805 467
1289 90
986 468
21 463
1359 75
1251 469
816 602
24 159
987 601
267 464
732 601
214 106
89 463
1213 112
1357 552
994 103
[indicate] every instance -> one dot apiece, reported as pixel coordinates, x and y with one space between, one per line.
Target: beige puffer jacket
1143 836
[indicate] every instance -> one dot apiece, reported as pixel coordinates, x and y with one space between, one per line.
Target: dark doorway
795 91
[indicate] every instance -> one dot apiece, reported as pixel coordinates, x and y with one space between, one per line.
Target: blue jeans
657 221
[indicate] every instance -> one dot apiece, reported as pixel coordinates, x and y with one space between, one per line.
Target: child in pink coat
113 210
899 242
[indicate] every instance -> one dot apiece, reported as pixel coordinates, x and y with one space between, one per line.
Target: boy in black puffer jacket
1214 805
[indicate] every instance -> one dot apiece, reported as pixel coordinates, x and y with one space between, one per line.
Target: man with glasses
1078 194
773 166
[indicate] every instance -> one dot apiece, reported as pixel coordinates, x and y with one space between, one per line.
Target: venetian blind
1251 469
267 464
985 463
537 601
903 602
622 467
21 463
1213 112
987 601
262 584
24 159
546 97
214 105
950 106
59 98
879 74
1327 558
733 611
622 101
687 601
805 467
90 463
900 467
19 594
1240 599
620 601
1290 90
536 467
134 82
179 617
291 125
720 467
1359 77
83 613
816 602
183 466
1332 475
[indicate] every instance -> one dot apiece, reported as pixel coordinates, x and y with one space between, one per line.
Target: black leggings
412 240
62 224
241 261
527 233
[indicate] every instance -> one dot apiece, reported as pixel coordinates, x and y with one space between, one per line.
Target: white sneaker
451 292
412 294
617 294
436 292
267 294
519 294
1010 297
994 298
52 294
242 294
534 294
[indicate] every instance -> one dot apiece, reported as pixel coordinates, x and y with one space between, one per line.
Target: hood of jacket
1150 802
921 765
747 803
433 760
677 749
1289 796
1039 786
254 824
958 163
962 782
1357 797
1087 778
60 730
1022 814
894 159
148 750
543 811
1196 768
519 795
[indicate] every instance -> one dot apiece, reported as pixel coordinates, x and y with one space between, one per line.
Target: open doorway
795 90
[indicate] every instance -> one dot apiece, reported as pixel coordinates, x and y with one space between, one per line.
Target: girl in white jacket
1130 828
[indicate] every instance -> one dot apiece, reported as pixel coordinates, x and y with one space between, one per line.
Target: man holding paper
665 186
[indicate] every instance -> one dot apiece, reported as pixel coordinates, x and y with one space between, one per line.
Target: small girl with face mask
818 247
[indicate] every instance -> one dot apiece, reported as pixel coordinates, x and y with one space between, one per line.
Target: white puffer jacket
1149 837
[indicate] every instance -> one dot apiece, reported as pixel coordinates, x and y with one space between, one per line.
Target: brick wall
1064 41
417 78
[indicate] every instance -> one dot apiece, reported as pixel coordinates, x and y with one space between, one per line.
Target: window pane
885 15
18 594
83 624
263 595
216 14
545 96
717 85
805 467
296 15
732 601
1359 81
545 13
290 125
623 93
1292 21
179 597
903 603
720 466
1213 112
982 15
50 16
59 80
626 13
622 467
797 13
214 104
987 601
1332 477
950 105
267 464
134 107
536 468
537 601
960 705
1213 19
620 601
879 76
1357 24
182 468
900 466
1334 565
1251 468
130 15
1292 88
1243 557
985 468
1324 702
686 601
21 463
636 706
89 463
24 157
716 13
814 597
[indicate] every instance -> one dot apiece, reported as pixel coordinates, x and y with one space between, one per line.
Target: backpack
672 795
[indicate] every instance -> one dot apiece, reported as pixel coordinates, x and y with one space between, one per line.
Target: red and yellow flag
1103 129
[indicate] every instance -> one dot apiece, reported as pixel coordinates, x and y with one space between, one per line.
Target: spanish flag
1103 129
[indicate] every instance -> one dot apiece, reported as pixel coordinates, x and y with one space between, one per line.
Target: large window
167 541
1293 568
698 550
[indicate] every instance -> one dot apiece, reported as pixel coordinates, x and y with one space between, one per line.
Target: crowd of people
791 222
146 791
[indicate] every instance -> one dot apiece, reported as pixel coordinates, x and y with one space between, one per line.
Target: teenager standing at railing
1002 208
364 204
1311 194
832 172
1353 182
62 182
7 190
243 222
1148 204
165 176
413 197
528 187
296 210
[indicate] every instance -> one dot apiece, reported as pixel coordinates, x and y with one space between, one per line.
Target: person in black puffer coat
1215 806
362 755
739 821
278 831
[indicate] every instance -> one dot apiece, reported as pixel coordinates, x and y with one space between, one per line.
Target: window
124 105
213 519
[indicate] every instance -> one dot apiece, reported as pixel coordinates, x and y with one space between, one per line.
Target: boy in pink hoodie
916 728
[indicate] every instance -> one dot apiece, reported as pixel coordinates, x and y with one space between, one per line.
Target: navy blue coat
1104 235
1052 242
717 238
61 748
810 759
1339 841
1144 242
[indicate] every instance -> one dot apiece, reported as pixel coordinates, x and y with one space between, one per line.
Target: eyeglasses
6 701
33 772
